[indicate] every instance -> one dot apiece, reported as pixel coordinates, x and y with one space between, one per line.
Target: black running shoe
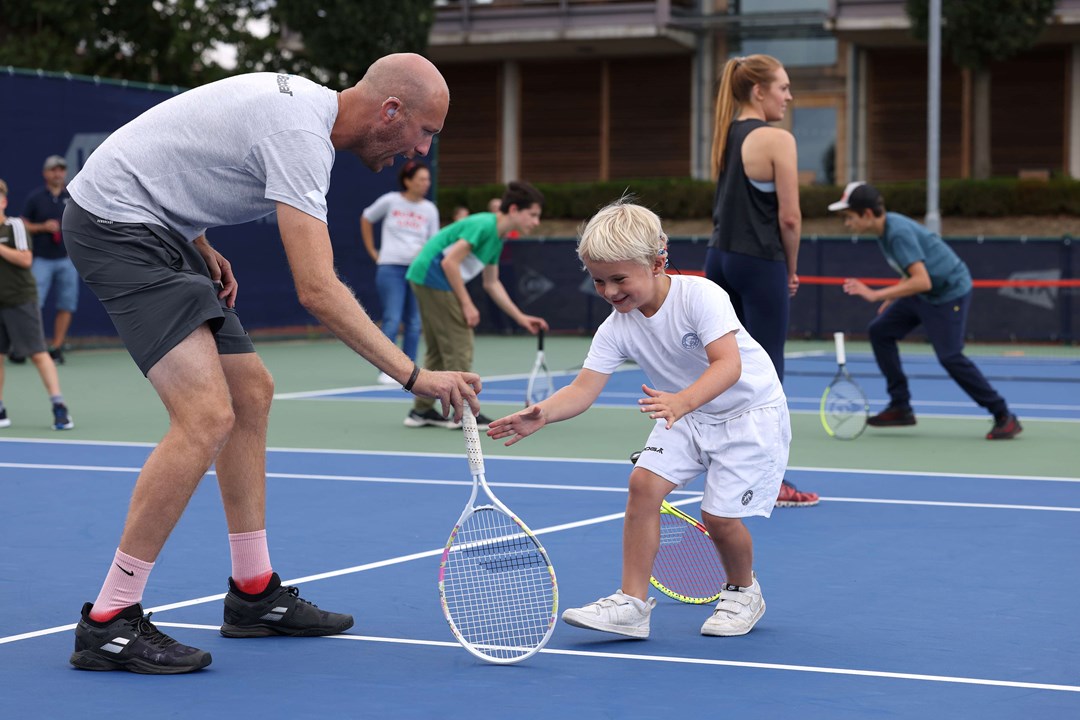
278 610
131 642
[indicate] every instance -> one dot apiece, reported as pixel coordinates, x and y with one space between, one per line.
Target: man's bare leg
241 464
190 382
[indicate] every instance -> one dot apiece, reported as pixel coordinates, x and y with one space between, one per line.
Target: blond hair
737 81
623 231
3 188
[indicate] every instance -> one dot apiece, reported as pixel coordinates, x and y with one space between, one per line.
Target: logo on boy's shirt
283 85
658 450
691 341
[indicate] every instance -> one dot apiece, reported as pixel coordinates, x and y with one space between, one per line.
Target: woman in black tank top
753 252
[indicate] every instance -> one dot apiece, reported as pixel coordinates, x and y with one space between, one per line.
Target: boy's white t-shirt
221 154
670 348
406 226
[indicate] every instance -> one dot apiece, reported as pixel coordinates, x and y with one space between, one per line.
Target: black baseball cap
858 196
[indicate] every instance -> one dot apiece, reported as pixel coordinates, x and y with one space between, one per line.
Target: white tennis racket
540 384
844 409
496 581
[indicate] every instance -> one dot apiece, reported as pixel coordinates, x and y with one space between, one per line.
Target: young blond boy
717 402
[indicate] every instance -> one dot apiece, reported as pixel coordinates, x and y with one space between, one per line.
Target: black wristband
407 387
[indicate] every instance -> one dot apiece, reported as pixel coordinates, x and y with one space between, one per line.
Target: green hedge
685 198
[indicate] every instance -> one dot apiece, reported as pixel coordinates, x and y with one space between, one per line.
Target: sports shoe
429 417
892 416
791 496
61 419
616 613
1005 427
57 355
17 359
278 610
4 421
131 642
634 456
737 612
385 379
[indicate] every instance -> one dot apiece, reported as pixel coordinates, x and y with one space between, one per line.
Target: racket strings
497 585
845 408
686 562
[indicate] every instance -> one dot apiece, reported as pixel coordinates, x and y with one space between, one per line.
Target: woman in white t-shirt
718 405
408 221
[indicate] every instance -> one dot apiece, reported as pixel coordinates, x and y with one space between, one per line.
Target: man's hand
472 315
858 287
220 271
452 389
792 284
533 323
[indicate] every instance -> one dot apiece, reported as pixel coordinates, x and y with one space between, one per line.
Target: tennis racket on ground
687 566
540 385
496 582
844 409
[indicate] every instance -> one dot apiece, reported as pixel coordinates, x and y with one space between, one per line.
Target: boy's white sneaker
737 612
617 613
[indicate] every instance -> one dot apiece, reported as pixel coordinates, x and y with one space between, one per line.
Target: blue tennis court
904 594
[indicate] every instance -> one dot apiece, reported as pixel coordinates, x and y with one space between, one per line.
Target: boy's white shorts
744 458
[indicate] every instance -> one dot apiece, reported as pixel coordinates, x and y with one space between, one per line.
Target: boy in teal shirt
934 291
453 256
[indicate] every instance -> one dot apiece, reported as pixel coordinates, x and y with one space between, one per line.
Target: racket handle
540 340
472 442
841 356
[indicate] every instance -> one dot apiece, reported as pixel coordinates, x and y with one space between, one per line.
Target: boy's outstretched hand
517 426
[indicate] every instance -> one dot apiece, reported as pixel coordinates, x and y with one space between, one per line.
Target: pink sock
123 586
251 569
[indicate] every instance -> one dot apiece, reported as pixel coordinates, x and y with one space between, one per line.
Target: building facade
584 90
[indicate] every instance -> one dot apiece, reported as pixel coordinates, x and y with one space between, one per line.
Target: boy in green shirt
453 256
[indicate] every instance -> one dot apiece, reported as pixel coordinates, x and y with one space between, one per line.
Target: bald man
224 154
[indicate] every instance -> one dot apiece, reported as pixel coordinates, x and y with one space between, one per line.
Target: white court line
539 486
539 459
829 471
701 661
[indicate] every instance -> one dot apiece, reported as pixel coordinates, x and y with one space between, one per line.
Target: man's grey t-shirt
221 154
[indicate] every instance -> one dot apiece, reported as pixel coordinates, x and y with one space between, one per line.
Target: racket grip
540 340
472 442
841 356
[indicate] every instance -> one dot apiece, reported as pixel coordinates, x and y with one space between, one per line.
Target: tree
334 41
165 41
977 33
172 41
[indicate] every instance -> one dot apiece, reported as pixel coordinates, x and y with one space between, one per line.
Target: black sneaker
634 456
892 416
57 355
1005 427
17 359
278 610
429 418
61 418
131 642
4 421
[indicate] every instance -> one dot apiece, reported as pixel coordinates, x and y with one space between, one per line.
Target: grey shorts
20 330
153 283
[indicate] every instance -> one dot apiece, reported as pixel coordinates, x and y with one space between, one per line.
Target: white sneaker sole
721 632
582 620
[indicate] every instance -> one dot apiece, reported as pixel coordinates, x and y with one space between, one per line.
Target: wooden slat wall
1027 112
650 117
560 121
469 142
896 116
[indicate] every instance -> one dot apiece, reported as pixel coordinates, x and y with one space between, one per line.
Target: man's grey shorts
154 284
